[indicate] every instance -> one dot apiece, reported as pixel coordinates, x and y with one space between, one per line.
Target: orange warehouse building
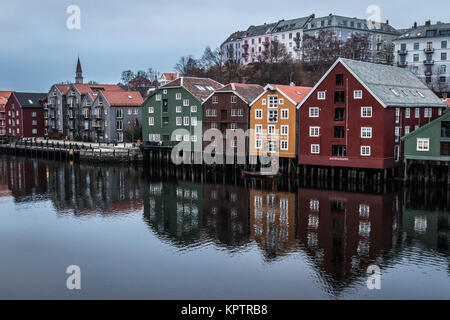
273 120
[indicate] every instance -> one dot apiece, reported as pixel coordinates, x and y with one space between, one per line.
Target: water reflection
337 234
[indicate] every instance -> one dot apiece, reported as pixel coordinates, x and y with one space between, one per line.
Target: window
321 95
366 132
151 121
444 44
427 112
397 115
119 124
34 131
151 110
158 97
33 114
194 138
338 151
258 129
194 109
397 153
416 57
313 112
416 46
178 109
443 56
417 112
271 146
186 102
339 97
178 96
339 132
273 116
284 145
365 151
407 113
264 102
215 99
284 130
119 113
273 101
237 113
281 101
186 138
186 121
339 114
366 112
129 112
407 130
271 129
34 122
233 99
314 131
357 94
258 114
315 149
258 144
423 144
285 114
339 79
213 125
233 126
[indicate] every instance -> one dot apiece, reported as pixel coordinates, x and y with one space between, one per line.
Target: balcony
428 73
428 62
428 49
402 64
402 52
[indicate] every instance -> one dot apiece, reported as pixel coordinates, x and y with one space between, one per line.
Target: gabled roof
247 92
92 88
294 94
292 24
265 28
436 30
4 96
171 76
445 116
201 88
234 36
30 99
391 86
123 98
63 88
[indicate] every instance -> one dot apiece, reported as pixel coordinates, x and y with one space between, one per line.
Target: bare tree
127 75
187 65
211 58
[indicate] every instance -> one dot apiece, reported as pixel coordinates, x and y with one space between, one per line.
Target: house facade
228 109
256 43
425 50
355 115
165 78
116 116
4 96
232 48
24 115
177 105
273 120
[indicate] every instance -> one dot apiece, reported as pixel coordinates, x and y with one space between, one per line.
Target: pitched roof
391 86
123 98
292 24
201 88
295 93
259 30
436 30
234 36
91 88
247 92
79 65
394 86
4 96
63 87
171 76
30 99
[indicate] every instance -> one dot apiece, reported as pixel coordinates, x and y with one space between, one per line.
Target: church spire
79 72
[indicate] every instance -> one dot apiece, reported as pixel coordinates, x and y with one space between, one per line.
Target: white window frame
280 101
193 109
417 113
158 97
233 99
366 112
151 110
315 148
274 103
283 128
256 113
186 103
357 94
408 113
178 96
179 121
366 132
313 133
185 121
270 129
312 111
365 151
151 121
258 129
178 109
264 102
423 144
283 111
284 142
215 99
321 95
258 143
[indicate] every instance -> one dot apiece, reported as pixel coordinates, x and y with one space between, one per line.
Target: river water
137 233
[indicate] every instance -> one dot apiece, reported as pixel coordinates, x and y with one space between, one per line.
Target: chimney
428 23
444 95
415 25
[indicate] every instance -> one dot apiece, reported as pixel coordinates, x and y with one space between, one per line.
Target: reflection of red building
344 232
272 221
4 96
225 213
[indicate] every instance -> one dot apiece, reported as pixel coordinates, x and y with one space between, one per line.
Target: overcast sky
38 49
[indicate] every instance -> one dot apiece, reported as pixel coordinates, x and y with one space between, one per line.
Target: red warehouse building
355 115
24 113
228 109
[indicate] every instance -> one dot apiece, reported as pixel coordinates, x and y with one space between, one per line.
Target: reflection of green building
174 210
431 228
